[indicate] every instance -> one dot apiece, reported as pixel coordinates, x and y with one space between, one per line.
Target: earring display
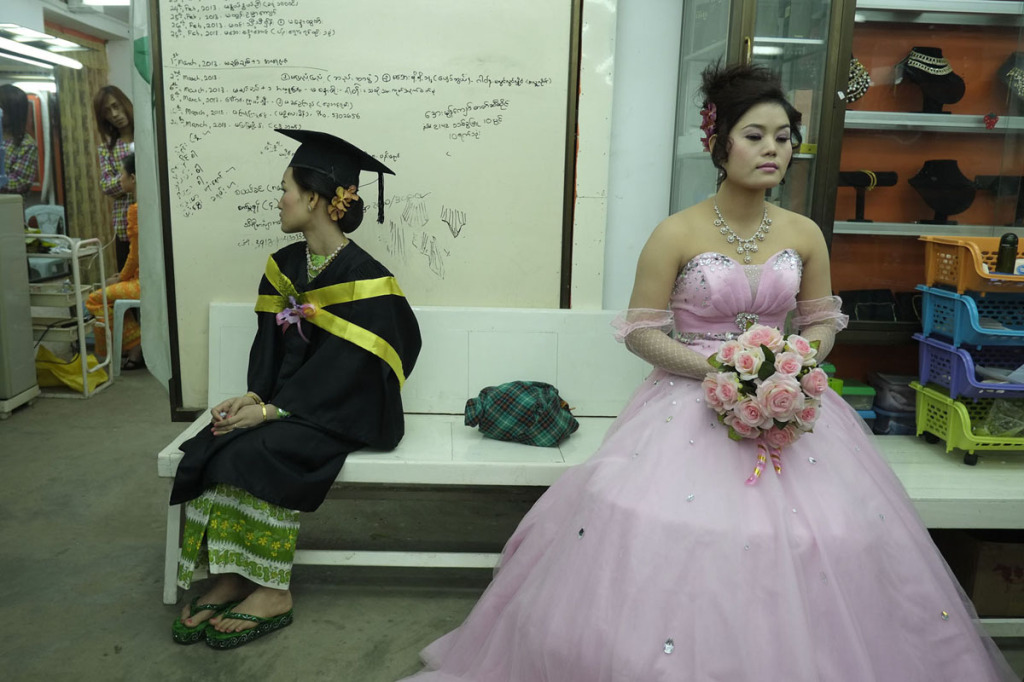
859 81
1005 186
930 71
944 188
863 181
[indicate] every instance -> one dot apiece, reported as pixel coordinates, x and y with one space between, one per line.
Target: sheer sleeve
645 333
820 319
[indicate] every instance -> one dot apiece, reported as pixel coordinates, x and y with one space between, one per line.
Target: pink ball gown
654 562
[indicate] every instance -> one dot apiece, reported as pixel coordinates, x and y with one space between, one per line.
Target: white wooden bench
466 349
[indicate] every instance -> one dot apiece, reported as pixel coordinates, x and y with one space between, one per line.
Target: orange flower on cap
342 199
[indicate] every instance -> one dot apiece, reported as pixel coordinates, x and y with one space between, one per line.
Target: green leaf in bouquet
767 369
779 424
815 344
713 361
733 435
769 356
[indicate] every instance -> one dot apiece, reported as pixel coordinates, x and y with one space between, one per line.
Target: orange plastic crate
956 262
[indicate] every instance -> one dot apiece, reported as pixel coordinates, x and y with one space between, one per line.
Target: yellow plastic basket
956 262
950 420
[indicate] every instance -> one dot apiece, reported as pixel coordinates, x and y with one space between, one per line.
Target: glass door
803 41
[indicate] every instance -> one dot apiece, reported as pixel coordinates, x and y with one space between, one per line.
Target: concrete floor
82 517
81 529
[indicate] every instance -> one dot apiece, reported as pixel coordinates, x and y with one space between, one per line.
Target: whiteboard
466 100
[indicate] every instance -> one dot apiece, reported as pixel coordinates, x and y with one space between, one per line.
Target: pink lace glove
819 320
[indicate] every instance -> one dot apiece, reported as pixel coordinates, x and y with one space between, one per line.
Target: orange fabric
131 266
128 288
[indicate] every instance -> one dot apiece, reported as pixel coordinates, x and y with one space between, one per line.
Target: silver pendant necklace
744 247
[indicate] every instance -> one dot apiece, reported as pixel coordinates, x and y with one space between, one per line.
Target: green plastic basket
950 420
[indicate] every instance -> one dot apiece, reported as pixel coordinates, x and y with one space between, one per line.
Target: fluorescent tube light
100 3
33 62
38 86
37 54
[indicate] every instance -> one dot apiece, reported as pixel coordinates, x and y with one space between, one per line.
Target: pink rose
814 382
744 430
781 396
806 417
751 412
710 386
728 390
727 352
800 345
761 335
789 363
780 438
748 362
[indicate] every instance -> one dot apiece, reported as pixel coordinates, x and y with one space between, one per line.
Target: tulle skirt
654 561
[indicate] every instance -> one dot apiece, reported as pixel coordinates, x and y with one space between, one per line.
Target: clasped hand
236 413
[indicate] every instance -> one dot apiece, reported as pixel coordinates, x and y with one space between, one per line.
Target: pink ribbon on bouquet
295 315
763 453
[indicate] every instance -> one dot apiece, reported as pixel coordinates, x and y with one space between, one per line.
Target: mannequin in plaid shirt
115 118
20 153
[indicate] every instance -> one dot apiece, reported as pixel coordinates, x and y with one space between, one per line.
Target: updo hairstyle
734 90
310 180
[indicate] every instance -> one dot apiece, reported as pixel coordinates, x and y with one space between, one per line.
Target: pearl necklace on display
744 247
316 270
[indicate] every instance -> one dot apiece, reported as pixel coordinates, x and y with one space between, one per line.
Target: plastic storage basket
950 420
959 317
957 261
953 368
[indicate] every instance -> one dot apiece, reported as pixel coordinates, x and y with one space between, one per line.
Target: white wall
120 61
642 130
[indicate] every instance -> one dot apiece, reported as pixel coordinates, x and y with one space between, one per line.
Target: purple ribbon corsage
295 315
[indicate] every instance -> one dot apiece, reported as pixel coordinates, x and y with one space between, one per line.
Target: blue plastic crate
958 317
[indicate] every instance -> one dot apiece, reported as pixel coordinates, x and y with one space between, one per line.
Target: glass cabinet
799 39
931 145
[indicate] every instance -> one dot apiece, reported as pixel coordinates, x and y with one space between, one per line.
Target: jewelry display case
940 118
800 39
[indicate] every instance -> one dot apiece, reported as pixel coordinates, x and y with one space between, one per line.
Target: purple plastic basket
953 368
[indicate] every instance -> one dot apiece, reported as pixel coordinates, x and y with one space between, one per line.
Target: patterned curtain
87 208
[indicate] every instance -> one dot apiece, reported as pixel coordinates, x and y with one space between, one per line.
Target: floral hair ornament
340 202
708 116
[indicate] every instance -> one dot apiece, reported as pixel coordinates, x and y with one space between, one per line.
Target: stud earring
309 208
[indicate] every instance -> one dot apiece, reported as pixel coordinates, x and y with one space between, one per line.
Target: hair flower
708 116
343 197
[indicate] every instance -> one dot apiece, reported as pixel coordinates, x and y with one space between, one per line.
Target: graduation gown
338 372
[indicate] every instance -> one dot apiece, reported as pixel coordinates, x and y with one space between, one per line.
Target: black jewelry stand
937 90
861 182
944 188
1005 186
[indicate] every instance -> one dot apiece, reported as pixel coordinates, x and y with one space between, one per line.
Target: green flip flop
184 634
264 626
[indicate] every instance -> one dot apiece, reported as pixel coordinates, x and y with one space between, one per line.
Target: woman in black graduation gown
336 340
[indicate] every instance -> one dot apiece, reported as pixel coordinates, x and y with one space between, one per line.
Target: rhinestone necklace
744 247
313 271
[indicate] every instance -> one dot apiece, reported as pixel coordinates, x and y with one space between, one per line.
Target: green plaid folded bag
529 412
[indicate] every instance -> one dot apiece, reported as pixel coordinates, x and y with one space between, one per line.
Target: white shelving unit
58 313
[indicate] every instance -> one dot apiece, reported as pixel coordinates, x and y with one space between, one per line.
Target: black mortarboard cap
339 160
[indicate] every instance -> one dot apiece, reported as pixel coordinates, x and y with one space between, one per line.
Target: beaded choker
744 247
937 66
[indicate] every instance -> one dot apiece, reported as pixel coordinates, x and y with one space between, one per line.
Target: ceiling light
37 54
37 86
33 62
116 3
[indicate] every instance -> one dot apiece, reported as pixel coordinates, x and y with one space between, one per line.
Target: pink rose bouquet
766 387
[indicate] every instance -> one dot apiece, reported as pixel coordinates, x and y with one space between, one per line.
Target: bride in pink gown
653 561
